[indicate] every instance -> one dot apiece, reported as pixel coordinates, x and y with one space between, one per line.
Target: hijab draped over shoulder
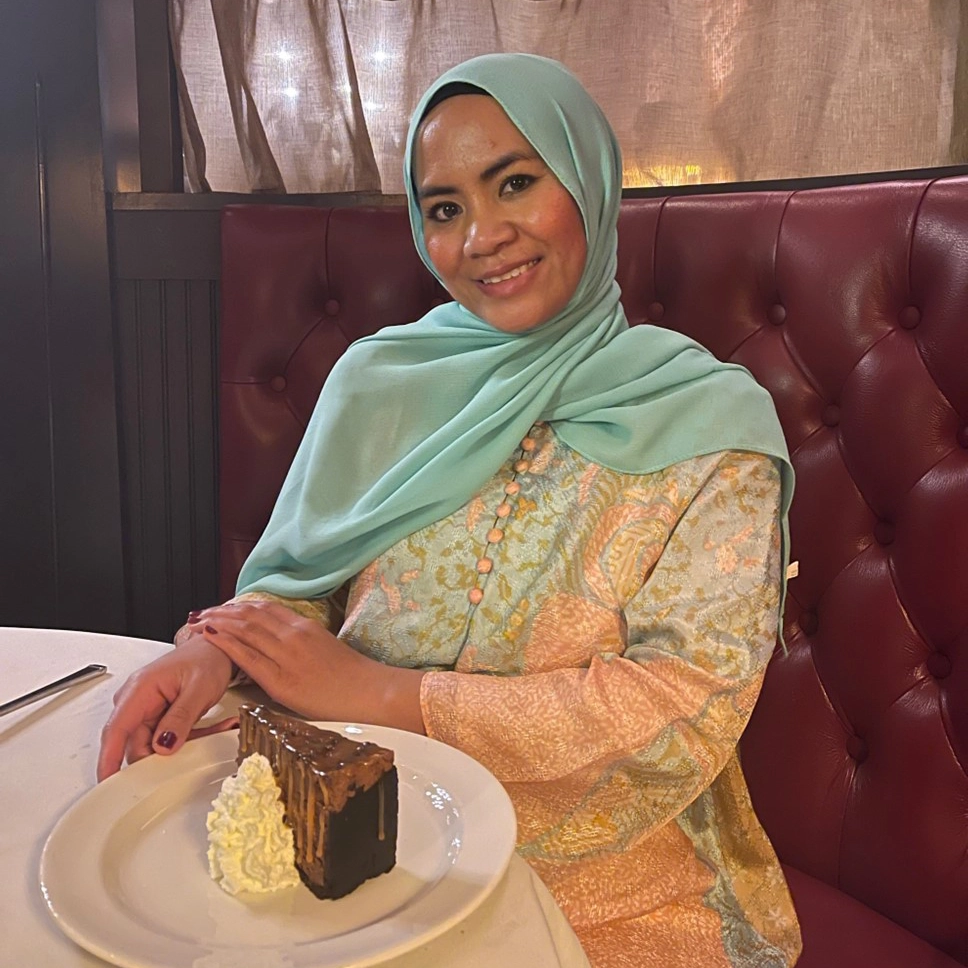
414 419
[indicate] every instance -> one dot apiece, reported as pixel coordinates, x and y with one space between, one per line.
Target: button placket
485 564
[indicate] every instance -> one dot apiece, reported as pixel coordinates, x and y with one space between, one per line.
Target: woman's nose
488 231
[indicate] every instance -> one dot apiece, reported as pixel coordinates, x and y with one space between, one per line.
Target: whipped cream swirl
250 848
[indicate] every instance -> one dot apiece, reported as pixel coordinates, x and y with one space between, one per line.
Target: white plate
125 874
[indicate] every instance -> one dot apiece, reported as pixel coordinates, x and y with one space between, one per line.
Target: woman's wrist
401 698
187 636
386 695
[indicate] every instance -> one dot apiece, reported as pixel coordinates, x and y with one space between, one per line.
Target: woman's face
504 234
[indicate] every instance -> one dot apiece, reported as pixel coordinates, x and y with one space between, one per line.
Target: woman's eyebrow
505 161
430 191
492 170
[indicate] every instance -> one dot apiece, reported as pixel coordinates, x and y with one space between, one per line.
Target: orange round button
475 595
494 535
484 565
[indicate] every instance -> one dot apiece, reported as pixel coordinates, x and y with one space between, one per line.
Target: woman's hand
301 664
156 708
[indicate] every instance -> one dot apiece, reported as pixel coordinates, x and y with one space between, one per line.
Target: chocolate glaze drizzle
318 771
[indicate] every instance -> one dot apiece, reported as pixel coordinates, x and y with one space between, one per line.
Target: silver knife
82 675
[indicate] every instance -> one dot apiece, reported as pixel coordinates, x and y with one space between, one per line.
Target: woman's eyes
443 211
447 211
516 183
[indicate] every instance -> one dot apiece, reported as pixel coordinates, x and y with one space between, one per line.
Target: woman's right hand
156 708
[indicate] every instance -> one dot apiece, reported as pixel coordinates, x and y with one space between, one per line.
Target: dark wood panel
129 431
159 133
60 530
201 479
158 236
191 312
165 244
167 394
167 405
27 546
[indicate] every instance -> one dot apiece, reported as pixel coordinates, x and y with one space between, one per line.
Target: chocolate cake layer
340 798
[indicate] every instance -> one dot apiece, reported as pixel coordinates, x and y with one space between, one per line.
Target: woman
549 540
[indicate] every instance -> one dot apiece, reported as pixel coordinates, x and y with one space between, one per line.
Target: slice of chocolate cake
340 798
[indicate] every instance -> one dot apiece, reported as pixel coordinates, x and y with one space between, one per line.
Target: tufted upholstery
850 305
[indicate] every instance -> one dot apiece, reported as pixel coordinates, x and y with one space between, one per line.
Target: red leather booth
850 304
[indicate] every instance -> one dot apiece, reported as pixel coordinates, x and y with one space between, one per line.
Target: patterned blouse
597 640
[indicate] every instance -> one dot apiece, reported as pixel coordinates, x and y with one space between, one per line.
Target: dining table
49 749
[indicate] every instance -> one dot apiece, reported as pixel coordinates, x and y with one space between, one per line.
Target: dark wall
60 523
165 272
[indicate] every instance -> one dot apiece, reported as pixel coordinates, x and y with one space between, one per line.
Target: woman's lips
509 281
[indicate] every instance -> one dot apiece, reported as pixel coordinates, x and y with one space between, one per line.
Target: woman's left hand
301 664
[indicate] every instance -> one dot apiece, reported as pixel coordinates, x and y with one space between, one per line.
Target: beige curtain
315 95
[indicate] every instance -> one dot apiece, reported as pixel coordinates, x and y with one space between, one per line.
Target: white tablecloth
48 753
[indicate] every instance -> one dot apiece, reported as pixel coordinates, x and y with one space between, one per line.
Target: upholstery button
939 665
776 314
521 466
884 532
831 415
503 509
963 437
909 317
474 596
655 312
278 383
808 622
331 307
856 749
528 444
494 535
512 488
484 565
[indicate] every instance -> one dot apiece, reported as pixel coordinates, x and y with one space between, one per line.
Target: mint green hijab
416 418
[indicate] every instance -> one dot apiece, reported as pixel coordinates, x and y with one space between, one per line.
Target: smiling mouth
512 274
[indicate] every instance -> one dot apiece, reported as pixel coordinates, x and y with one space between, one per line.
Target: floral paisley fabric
604 672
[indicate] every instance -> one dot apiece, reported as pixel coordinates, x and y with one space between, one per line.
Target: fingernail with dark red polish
167 739
210 630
